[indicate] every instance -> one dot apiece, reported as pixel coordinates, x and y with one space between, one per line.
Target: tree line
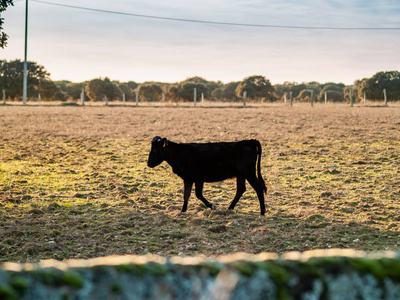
258 88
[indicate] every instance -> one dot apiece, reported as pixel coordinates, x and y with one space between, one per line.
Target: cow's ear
165 142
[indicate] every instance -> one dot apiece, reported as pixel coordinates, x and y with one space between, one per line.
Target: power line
217 22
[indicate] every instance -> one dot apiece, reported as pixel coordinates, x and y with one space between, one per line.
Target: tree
332 96
133 85
229 91
350 90
3 36
72 89
195 79
98 88
112 91
186 91
305 95
216 94
257 87
211 86
287 87
11 77
334 92
150 92
297 88
127 90
315 86
172 93
51 91
373 87
95 89
202 85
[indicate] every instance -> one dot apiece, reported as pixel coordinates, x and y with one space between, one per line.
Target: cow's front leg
199 194
186 194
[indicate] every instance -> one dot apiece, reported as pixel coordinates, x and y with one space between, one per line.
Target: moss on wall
330 274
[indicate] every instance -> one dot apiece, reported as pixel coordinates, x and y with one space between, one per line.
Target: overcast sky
77 45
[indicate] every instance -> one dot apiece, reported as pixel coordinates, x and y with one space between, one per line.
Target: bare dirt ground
74 181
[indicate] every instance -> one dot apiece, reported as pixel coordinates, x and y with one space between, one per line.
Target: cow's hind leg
199 194
186 194
258 187
240 189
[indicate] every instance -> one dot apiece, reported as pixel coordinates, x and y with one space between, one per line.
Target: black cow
210 162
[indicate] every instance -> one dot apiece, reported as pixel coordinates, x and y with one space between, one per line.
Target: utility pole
24 92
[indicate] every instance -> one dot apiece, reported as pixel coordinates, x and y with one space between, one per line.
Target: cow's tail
259 176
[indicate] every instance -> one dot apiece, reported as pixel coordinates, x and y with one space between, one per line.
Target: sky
79 44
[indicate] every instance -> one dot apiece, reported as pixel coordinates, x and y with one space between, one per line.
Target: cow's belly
214 172
205 173
216 177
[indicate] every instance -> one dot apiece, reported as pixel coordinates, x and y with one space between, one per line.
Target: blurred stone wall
317 274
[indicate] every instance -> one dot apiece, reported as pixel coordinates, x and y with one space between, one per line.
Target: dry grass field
74 181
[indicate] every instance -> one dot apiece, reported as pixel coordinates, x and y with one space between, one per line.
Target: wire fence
377 96
368 98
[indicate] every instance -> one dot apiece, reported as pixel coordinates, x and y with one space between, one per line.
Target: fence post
326 97
137 97
123 97
83 97
202 97
351 98
291 98
4 96
105 98
244 98
285 97
163 97
365 98
385 96
312 98
195 95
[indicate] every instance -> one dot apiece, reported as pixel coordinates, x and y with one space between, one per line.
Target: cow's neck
171 153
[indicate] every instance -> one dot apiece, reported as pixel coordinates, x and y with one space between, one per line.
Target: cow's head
157 152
